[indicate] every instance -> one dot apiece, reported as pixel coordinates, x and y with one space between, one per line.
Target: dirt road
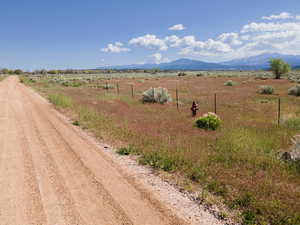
50 174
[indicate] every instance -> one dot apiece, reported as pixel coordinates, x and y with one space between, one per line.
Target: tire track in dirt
69 162
66 212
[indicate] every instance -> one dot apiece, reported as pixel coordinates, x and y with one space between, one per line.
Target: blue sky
86 34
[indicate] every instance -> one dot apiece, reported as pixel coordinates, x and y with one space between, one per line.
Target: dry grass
238 162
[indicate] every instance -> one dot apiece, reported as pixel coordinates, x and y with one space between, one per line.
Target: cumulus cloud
230 38
117 47
281 16
190 45
158 58
149 41
265 27
252 39
177 27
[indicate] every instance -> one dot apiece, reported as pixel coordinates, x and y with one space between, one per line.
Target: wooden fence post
118 90
215 103
177 104
132 92
279 111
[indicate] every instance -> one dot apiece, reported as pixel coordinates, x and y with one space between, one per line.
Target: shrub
76 123
156 95
158 160
76 84
65 83
108 86
124 151
209 121
229 83
292 123
266 90
248 217
130 149
244 201
294 90
196 174
182 74
217 188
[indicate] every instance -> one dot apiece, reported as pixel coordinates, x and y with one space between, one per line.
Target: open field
239 162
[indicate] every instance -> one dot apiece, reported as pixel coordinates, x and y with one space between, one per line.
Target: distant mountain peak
262 60
249 63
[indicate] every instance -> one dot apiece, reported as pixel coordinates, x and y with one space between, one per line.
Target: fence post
177 105
215 103
132 93
106 87
279 110
118 90
153 93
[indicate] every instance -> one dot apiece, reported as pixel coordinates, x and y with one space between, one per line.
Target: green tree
5 71
18 72
279 67
53 72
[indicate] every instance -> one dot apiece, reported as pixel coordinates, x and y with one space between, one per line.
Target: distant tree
18 72
53 72
279 67
5 71
43 71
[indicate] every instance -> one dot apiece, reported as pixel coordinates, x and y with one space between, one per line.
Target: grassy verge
2 77
238 163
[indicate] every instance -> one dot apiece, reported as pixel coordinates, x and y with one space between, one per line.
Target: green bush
217 188
229 83
209 121
76 123
182 74
292 123
197 174
108 86
266 90
249 218
158 160
125 151
156 95
294 90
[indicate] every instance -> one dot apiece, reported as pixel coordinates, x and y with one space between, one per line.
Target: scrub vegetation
238 163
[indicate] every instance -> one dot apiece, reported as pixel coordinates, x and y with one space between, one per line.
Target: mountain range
258 62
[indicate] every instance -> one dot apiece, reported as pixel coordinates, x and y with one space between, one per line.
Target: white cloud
177 27
281 16
117 47
230 38
265 27
190 45
149 41
158 58
252 39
